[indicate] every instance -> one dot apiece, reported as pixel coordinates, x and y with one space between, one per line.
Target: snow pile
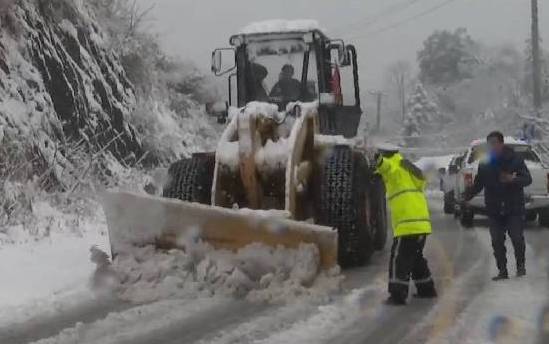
255 272
333 140
44 261
53 215
262 109
281 25
273 156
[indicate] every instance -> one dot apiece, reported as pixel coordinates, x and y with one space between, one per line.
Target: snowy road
471 308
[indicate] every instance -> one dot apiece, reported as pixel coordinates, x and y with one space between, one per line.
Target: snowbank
46 268
255 272
281 25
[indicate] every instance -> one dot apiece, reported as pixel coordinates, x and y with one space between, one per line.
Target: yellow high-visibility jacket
406 197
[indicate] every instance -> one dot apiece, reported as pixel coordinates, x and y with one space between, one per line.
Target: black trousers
407 261
499 227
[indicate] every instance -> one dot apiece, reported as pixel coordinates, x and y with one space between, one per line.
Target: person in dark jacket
503 177
258 74
287 88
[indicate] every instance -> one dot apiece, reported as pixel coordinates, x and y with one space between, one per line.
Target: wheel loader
287 169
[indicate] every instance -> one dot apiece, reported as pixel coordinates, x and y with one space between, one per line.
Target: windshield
277 69
525 152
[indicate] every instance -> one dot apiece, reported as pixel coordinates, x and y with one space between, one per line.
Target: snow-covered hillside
60 83
62 86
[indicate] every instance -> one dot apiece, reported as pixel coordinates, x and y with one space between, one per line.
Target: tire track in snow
505 311
50 325
446 255
135 323
201 324
328 318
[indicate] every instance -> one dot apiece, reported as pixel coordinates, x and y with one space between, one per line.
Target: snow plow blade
139 220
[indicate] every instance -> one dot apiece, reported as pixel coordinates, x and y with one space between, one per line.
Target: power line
394 9
404 21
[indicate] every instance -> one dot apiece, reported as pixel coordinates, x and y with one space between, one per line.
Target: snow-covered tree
423 114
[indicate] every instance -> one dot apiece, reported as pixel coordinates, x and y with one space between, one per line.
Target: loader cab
285 66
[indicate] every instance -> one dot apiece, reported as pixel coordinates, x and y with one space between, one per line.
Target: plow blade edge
139 220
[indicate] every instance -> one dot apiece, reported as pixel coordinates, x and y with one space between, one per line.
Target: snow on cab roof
508 140
281 25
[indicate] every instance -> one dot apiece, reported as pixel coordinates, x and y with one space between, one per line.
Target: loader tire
341 203
191 180
466 217
378 213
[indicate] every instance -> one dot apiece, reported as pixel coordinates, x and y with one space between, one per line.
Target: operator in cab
287 88
405 185
258 74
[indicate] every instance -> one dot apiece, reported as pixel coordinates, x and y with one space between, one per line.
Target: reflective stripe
424 280
400 193
395 255
399 281
412 220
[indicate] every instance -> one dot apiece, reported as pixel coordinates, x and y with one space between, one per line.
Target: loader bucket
139 220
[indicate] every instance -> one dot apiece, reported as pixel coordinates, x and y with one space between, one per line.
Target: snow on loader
285 172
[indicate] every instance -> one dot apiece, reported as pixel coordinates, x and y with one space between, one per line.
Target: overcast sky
192 28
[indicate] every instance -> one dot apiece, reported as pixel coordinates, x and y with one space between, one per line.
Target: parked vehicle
537 194
448 183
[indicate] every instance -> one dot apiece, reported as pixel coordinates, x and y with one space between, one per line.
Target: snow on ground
121 327
46 272
503 312
256 272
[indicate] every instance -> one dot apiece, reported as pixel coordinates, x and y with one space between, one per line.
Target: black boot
503 275
426 294
394 300
521 271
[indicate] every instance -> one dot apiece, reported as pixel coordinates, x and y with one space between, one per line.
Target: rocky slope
64 91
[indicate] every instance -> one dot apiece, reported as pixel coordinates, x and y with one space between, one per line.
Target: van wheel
466 217
531 216
449 203
543 217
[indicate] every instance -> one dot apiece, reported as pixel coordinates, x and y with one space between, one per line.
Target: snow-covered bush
169 116
423 114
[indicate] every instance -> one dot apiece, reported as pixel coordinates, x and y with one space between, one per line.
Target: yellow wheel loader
286 170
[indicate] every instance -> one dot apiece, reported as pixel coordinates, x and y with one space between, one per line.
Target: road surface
470 309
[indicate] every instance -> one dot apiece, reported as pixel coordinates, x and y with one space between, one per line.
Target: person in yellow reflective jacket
405 185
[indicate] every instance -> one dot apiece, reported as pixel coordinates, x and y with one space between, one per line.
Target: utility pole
403 97
379 97
536 67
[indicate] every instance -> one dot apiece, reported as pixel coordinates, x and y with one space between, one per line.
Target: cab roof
278 29
281 26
